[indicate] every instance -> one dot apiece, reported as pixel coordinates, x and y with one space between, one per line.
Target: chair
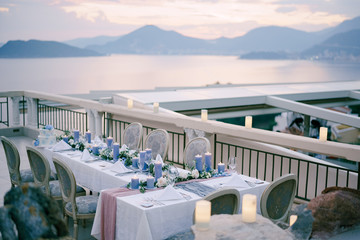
83 207
132 135
158 142
224 201
277 199
198 145
40 168
13 162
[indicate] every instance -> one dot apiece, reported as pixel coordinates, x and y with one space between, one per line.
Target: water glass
232 164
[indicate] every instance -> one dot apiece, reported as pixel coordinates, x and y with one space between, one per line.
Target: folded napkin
159 158
123 148
236 181
169 193
99 142
86 155
60 146
119 167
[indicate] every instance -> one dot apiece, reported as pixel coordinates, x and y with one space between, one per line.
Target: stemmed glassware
172 174
141 165
232 164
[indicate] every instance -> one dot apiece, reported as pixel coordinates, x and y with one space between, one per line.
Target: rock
335 209
302 228
34 214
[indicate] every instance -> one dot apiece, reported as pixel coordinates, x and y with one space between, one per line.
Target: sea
138 72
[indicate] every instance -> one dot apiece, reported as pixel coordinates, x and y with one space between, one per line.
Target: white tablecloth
159 222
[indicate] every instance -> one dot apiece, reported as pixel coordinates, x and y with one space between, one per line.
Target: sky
62 20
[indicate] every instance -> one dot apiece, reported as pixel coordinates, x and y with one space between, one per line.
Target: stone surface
34 214
302 228
230 227
334 210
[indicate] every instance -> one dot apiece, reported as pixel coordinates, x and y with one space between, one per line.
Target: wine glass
141 165
172 174
232 164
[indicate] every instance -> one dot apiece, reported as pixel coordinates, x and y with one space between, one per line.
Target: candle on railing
95 149
143 159
323 134
221 167
249 208
76 135
109 142
135 182
116 149
135 162
130 103
156 107
248 121
66 139
150 181
293 219
202 215
198 163
158 170
204 115
88 136
208 161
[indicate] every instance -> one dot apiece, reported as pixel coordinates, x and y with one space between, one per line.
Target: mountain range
271 42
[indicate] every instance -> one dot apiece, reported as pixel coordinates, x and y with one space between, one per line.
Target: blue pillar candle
148 154
208 161
158 170
76 135
142 159
135 162
109 142
88 136
135 182
116 148
221 167
198 162
95 150
150 181
66 139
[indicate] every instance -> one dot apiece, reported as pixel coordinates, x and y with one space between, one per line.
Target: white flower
195 173
161 182
71 142
183 174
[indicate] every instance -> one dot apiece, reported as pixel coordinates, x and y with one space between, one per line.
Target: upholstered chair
198 145
17 176
277 199
132 135
83 207
40 168
158 142
224 201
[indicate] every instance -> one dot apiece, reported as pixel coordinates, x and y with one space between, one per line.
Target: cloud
286 9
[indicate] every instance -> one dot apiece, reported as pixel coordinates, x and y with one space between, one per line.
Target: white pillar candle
293 219
156 107
323 134
202 215
204 114
130 103
249 208
248 121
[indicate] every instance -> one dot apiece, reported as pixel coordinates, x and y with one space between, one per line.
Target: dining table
143 215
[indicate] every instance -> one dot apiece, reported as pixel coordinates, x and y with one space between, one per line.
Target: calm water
122 72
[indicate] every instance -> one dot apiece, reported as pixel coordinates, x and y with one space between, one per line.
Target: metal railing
313 176
4 110
61 119
115 128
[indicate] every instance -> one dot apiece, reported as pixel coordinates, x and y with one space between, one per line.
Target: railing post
91 121
31 112
97 122
358 172
14 119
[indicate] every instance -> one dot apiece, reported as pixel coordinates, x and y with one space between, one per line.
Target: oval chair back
198 145
132 135
158 142
13 161
67 184
277 199
40 168
224 201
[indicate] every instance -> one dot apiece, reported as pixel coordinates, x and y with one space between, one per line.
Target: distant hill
153 40
345 26
84 42
268 55
1 44
42 49
341 46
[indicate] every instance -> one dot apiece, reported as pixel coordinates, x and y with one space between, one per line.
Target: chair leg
75 230
84 223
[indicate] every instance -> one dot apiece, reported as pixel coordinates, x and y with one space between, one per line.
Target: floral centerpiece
124 155
81 144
